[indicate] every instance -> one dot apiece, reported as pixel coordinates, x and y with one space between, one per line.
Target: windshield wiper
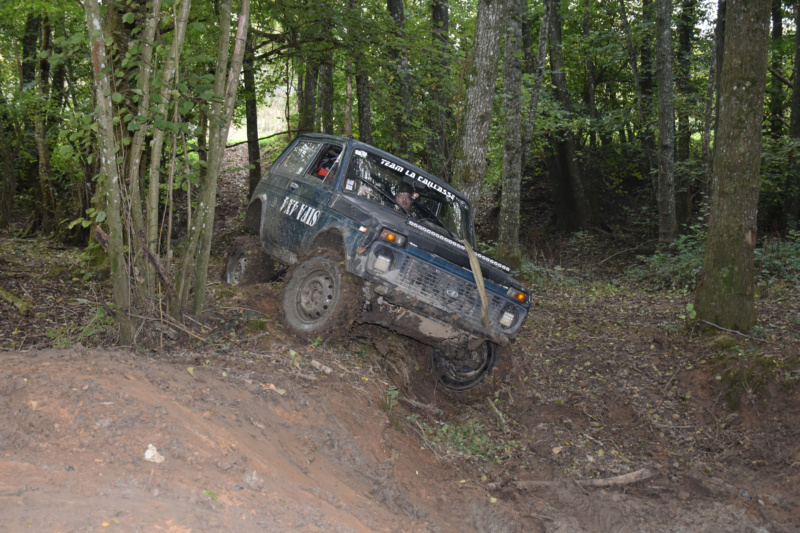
433 216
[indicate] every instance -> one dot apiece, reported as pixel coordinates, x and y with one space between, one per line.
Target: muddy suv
370 238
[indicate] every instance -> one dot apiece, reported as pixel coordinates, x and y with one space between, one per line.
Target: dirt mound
227 452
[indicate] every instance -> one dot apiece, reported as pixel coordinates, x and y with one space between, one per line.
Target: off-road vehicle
368 237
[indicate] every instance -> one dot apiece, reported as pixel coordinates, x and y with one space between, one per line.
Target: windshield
399 188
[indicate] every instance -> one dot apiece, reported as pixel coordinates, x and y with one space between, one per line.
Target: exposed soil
259 431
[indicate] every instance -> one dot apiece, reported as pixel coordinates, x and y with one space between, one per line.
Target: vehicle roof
356 143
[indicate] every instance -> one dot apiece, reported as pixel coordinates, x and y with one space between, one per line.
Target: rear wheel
320 298
248 263
470 374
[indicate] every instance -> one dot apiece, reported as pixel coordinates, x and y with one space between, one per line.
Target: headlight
508 317
384 260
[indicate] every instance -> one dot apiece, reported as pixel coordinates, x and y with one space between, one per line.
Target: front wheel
470 374
320 298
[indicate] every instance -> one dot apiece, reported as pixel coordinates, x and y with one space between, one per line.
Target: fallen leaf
190 370
557 450
210 494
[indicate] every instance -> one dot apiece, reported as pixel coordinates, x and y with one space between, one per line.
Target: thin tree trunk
508 221
47 206
439 151
251 113
399 53
136 151
794 125
348 100
364 106
775 99
226 83
590 83
708 121
568 154
666 124
167 82
326 94
470 166
111 184
308 104
725 293
538 79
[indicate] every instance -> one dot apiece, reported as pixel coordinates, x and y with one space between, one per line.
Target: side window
301 155
324 163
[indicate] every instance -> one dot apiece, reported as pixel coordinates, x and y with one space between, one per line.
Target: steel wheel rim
316 296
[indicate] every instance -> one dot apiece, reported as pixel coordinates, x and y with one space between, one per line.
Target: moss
723 342
225 293
257 326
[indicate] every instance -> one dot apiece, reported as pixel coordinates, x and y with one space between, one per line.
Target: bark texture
251 114
538 78
576 211
470 166
111 183
666 124
508 222
364 109
725 293
794 125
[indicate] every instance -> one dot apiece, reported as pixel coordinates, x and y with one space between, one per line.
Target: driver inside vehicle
405 198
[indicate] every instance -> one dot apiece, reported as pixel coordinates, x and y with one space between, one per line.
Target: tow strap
478 275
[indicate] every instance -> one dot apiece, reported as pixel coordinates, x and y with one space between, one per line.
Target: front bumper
435 289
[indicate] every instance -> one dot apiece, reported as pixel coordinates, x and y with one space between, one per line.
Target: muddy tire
474 376
248 263
320 298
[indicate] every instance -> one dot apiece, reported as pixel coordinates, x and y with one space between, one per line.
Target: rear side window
299 158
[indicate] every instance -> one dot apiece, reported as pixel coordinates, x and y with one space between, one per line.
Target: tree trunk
590 83
440 118
470 166
725 293
364 109
686 186
640 104
581 213
226 84
167 84
538 78
708 120
794 125
47 204
8 175
666 124
348 100
508 221
398 51
308 103
775 98
326 94
251 113
111 182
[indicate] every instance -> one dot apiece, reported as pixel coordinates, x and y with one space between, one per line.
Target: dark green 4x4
371 238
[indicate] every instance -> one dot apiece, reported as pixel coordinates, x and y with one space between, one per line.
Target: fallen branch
498 414
642 474
25 307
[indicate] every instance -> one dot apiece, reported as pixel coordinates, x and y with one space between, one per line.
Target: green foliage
93 333
676 267
468 439
780 182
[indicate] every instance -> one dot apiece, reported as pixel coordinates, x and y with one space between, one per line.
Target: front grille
436 287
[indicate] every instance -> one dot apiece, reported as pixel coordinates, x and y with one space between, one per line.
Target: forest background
675 124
